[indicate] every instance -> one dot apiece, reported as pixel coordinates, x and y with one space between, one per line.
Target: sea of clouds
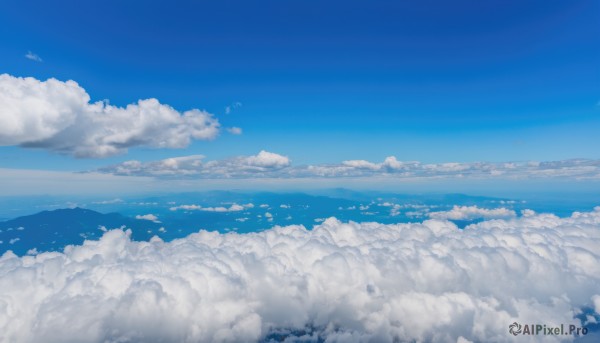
339 282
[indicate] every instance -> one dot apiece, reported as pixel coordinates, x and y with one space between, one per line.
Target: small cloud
34 57
472 212
149 217
234 130
232 208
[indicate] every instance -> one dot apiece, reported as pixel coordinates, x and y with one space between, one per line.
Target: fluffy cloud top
59 116
472 212
340 282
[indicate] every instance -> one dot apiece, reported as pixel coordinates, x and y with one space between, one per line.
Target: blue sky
323 82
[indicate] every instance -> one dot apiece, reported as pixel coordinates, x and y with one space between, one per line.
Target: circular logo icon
514 328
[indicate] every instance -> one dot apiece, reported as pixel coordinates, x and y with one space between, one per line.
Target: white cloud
267 160
425 282
263 163
360 164
270 165
472 212
284 206
232 208
59 116
150 217
234 130
34 57
269 216
596 301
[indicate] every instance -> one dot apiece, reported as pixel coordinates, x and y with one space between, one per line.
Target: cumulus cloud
391 167
34 57
59 116
263 163
350 282
270 165
150 217
472 212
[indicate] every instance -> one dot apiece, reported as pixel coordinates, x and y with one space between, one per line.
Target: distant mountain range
172 216
52 230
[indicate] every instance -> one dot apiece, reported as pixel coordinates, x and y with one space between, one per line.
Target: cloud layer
271 165
59 116
262 164
342 282
472 212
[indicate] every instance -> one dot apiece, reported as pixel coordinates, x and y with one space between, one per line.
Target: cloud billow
271 165
350 282
58 116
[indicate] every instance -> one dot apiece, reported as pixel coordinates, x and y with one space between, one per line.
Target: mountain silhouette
53 230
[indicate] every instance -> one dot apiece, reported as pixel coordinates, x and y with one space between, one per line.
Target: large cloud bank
340 282
59 116
270 165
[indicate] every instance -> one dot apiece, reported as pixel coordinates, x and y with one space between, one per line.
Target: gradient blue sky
326 81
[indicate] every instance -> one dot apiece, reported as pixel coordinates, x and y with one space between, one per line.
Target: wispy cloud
34 57
234 130
232 107
59 117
